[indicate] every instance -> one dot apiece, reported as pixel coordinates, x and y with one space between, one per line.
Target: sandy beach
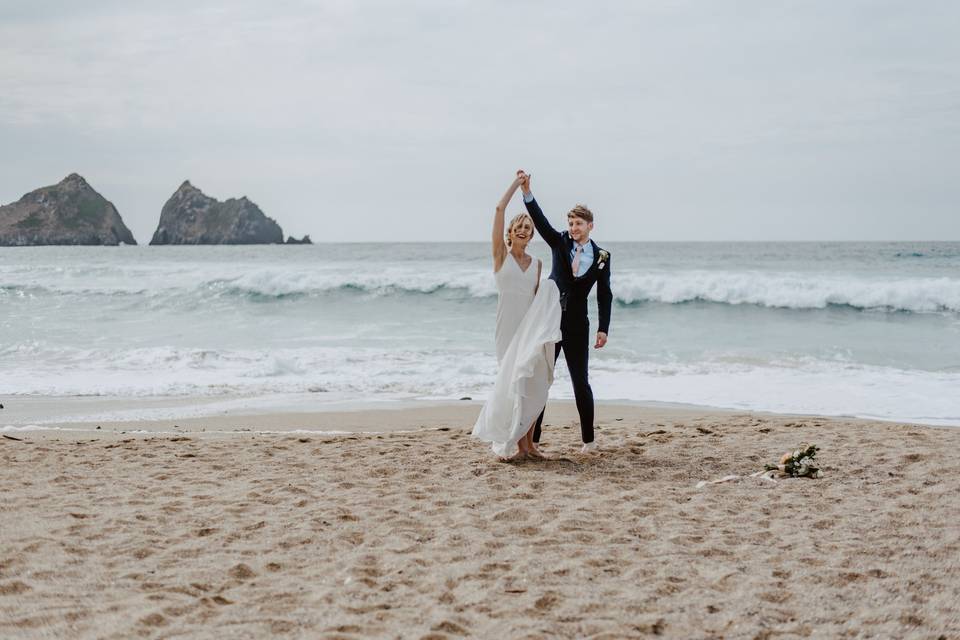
412 530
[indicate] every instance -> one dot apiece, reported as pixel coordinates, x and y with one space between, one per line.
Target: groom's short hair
581 211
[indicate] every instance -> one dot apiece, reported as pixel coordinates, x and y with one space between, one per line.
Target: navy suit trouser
575 345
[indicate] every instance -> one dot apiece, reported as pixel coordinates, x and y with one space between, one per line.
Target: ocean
847 329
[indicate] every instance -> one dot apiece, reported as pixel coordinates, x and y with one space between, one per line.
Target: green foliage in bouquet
801 463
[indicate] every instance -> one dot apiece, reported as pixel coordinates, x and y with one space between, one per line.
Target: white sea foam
801 386
331 375
169 371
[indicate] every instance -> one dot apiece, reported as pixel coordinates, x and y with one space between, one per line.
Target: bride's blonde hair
517 219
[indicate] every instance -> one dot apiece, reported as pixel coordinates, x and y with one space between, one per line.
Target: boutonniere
604 256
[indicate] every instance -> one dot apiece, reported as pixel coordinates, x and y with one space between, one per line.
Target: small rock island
70 212
192 217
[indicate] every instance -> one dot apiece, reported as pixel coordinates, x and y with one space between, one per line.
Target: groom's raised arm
549 234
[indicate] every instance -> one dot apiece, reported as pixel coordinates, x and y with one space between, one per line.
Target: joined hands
524 179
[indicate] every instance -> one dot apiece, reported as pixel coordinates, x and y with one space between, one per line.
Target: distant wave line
785 291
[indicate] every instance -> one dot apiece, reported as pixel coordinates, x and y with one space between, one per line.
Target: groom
578 263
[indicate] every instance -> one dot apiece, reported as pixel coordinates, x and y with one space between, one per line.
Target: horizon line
484 242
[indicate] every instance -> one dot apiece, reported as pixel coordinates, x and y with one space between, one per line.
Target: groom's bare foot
590 447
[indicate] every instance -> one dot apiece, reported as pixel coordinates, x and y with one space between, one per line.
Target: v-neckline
517 262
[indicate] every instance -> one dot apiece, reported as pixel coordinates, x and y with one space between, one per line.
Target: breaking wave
773 290
792 291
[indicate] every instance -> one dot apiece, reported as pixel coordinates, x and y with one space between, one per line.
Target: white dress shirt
586 256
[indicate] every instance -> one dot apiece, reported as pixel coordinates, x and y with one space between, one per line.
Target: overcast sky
672 120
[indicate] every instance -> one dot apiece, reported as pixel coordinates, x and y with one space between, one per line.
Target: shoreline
285 414
366 419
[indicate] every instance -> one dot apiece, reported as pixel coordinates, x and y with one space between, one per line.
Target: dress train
526 373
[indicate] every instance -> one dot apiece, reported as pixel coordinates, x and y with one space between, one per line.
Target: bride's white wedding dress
528 328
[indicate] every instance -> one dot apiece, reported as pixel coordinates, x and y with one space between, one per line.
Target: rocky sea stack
191 217
69 212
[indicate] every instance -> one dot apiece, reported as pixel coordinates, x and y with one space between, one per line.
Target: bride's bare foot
536 453
517 457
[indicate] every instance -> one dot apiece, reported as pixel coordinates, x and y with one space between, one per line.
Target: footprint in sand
178 612
776 597
153 620
493 568
449 626
515 515
241 572
346 628
14 588
573 525
546 602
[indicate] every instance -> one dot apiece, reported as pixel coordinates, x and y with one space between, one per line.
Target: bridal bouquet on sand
799 463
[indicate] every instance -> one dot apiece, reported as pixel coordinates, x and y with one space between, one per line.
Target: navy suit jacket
574 290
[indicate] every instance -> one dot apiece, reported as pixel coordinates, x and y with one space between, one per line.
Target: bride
528 327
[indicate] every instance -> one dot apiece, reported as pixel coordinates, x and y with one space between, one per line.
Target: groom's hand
601 340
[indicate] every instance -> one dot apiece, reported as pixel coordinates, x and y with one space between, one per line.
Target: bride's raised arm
498 241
